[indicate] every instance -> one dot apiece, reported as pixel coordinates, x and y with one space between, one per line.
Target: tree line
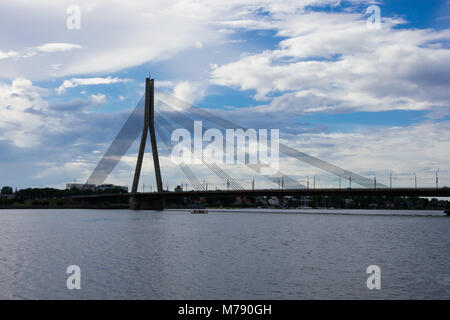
30 194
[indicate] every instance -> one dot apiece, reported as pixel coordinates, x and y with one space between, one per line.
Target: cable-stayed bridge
173 113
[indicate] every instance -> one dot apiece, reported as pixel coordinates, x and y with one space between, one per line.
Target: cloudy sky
368 99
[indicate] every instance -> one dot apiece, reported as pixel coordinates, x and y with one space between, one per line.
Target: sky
369 98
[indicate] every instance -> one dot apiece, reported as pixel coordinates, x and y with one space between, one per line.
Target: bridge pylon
136 203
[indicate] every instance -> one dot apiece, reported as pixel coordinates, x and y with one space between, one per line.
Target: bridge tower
137 203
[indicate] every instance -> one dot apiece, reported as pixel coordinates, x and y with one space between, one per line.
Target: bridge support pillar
149 125
141 203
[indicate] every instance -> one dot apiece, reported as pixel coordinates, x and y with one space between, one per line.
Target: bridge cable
195 183
182 118
212 166
120 145
345 174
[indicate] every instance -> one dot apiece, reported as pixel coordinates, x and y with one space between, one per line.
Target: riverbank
330 211
66 206
428 213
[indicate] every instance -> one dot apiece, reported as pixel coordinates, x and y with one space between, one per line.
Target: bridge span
155 200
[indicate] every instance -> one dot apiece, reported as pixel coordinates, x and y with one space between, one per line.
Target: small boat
199 211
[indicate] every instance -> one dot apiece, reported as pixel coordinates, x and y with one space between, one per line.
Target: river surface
226 254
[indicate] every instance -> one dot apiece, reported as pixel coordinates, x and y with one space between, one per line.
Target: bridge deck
422 192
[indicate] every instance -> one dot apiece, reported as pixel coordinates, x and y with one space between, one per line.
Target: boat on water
199 211
447 212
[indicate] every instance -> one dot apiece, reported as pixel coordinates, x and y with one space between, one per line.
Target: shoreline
304 211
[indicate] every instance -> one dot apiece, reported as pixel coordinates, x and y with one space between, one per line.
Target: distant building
348 202
389 204
260 200
93 187
305 201
7 196
104 187
240 200
273 201
81 186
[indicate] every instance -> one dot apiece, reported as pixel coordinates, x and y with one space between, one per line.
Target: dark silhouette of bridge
184 114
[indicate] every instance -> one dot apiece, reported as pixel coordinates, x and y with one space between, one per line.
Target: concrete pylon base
140 203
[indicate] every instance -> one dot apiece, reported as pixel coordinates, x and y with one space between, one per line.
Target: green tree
7 190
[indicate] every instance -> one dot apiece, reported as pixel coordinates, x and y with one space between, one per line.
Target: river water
226 254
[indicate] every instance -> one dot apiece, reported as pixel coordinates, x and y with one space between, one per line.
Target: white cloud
57 47
123 34
45 48
26 118
198 44
9 54
165 84
74 168
75 82
189 91
22 114
333 62
98 98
